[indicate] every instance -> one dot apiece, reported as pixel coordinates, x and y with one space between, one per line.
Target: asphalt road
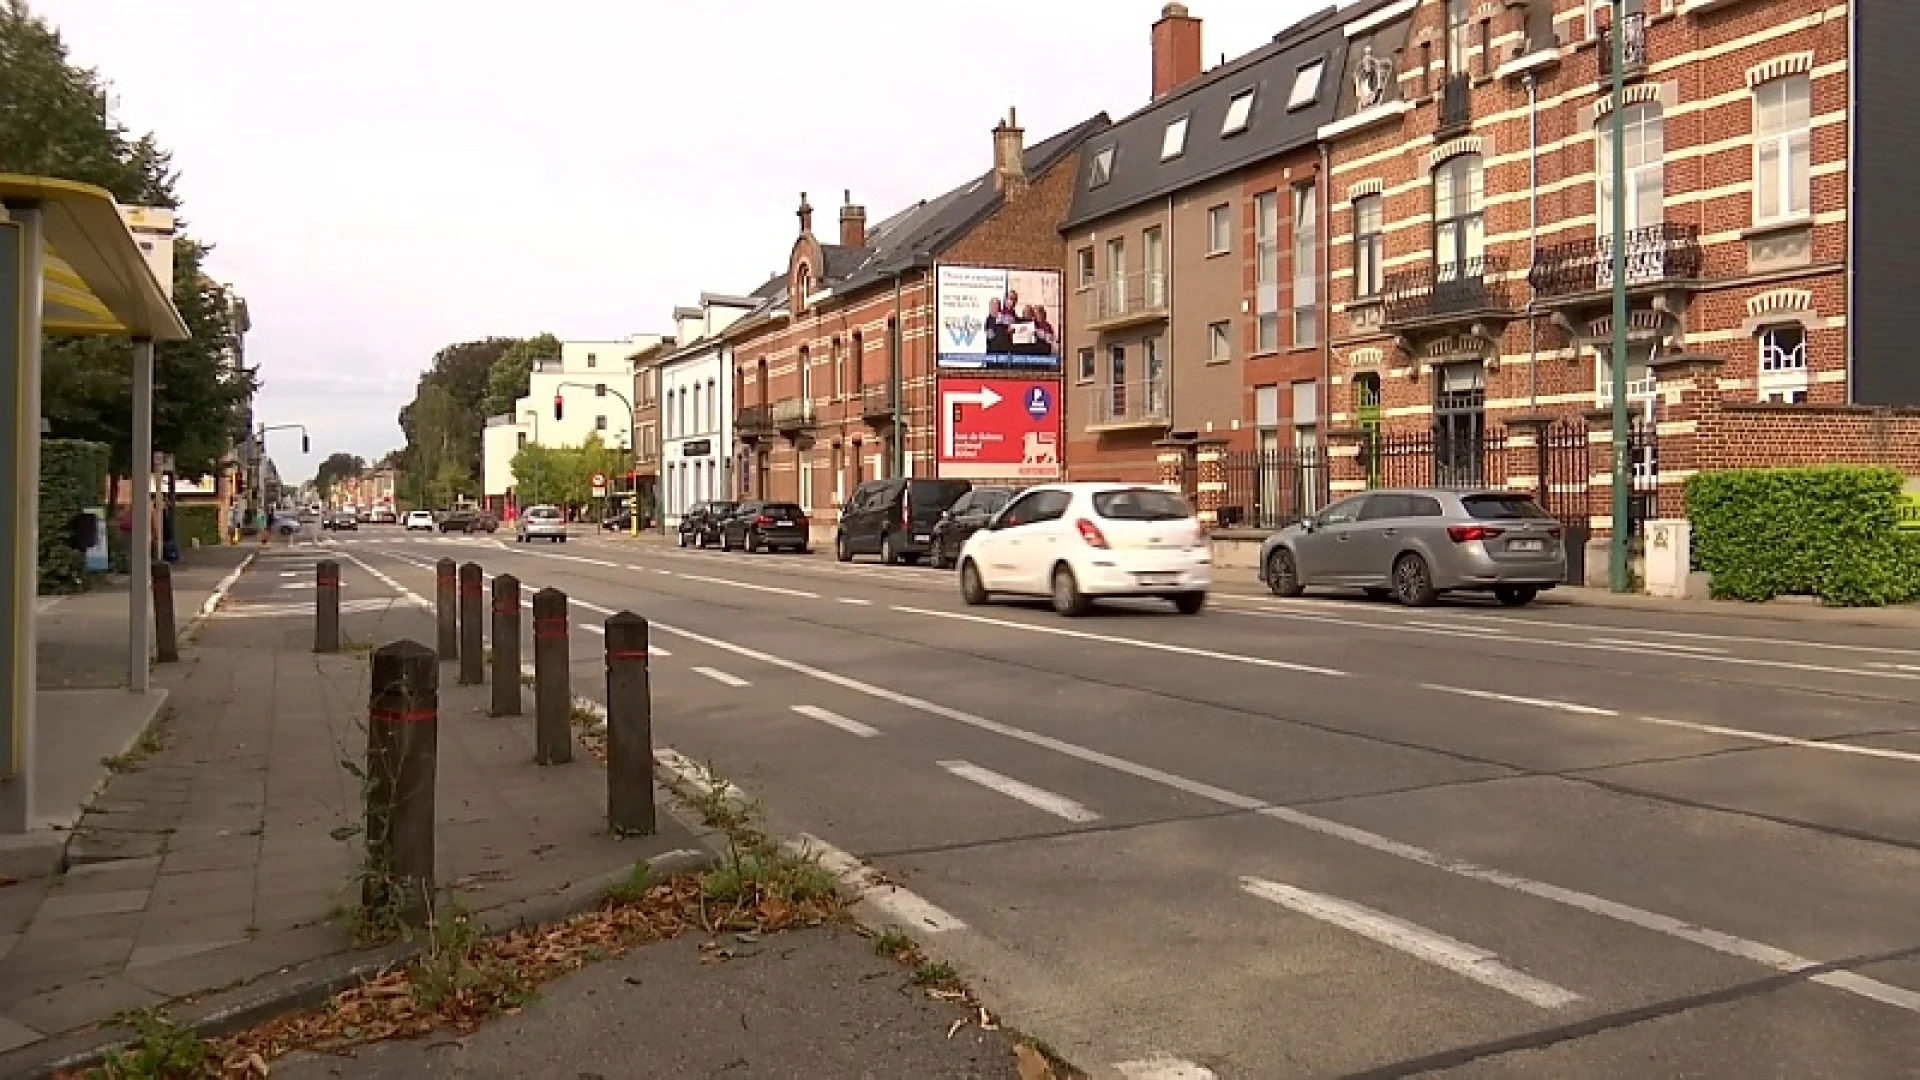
1317 837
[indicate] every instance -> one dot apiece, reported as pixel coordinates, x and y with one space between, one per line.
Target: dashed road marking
1512 699
834 719
1039 798
721 677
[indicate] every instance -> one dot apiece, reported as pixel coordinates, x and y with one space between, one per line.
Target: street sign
599 484
1000 429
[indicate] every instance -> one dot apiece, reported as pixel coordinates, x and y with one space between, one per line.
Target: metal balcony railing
1141 404
1129 298
876 402
1456 106
1441 291
1663 252
753 420
791 414
1633 47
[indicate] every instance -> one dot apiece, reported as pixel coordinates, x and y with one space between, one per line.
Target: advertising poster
999 429
991 319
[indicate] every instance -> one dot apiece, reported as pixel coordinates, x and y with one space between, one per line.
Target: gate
1565 470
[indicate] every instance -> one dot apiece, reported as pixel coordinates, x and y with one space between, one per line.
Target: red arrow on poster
1000 429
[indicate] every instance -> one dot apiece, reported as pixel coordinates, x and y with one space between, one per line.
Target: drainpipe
1326 322
1167 363
896 350
1533 241
1853 188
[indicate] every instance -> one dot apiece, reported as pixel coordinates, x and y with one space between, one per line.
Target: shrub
73 477
1828 532
199 522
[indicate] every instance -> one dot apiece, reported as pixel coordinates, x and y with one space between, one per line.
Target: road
1318 837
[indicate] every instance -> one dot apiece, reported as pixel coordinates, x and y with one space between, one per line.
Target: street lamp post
535 478
1617 563
260 466
633 509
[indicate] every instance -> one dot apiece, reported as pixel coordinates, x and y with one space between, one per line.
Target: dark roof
1138 174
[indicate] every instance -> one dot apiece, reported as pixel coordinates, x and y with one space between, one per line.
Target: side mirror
1308 524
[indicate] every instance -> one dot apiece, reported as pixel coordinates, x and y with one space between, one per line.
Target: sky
381 178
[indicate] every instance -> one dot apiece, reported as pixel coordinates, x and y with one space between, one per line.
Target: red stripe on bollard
628 654
405 716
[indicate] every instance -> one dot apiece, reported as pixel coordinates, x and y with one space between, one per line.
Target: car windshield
543 513
1503 508
1141 504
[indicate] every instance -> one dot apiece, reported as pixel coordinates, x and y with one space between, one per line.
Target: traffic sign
599 483
999 429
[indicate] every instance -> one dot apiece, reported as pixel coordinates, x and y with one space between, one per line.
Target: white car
419 519
1085 541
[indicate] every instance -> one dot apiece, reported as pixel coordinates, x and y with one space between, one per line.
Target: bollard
403 729
326 607
506 646
166 637
630 809
552 682
473 658
446 607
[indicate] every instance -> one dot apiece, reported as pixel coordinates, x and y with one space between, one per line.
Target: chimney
1009 154
1176 50
806 215
853 224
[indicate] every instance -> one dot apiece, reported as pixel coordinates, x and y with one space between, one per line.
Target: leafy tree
511 375
443 422
337 467
563 475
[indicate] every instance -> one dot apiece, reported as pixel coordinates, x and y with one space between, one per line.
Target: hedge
1828 532
198 522
73 477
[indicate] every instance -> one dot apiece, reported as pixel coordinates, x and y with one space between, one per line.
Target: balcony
1128 300
793 414
876 403
1144 404
1633 49
1656 255
1456 107
753 421
1437 295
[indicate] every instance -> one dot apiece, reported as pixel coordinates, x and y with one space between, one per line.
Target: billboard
994 319
999 429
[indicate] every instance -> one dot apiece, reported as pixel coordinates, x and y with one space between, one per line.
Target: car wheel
680 539
725 545
1283 577
1413 581
973 591
1068 600
888 553
842 551
1189 603
1515 595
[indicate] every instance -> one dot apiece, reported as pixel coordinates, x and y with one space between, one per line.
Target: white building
696 406
590 378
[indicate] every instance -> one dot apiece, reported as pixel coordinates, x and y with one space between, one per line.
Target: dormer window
1174 143
1100 170
1239 111
804 283
1306 85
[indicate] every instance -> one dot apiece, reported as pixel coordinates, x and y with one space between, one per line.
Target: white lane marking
854 601
721 677
386 579
1666 646
278 611
1894 667
1040 799
655 650
1136 643
636 569
298 585
749 585
1715 940
289 573
592 628
902 907
1460 628
1467 961
1163 1067
572 558
834 719
1511 699
663 573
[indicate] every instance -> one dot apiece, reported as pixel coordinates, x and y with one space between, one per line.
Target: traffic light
556 406
306 444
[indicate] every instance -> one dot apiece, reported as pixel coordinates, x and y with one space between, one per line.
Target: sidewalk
212 862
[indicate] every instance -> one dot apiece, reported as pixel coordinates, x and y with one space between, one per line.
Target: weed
161 1050
151 741
634 888
584 715
891 942
454 966
935 973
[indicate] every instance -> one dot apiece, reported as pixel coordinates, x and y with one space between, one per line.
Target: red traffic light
556 406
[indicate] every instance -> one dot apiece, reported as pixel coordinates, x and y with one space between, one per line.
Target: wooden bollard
630 809
166 633
473 607
403 730
326 606
446 597
506 646
552 681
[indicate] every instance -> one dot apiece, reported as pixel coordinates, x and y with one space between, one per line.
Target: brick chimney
1009 154
805 213
853 224
1176 50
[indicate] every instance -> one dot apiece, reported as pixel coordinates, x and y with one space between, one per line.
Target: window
1219 342
696 405
858 361
1085 370
839 474
1100 170
806 373
1459 37
1083 267
1219 229
599 389
1239 111
1174 142
1266 231
1153 263
1783 350
1306 229
1459 225
1306 85
806 481
1644 140
1369 245
713 407
592 360
839 370
521 438
599 423
1116 298
1782 149
680 411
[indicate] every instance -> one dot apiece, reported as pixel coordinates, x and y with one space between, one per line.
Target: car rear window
1141 504
543 513
938 494
1503 508
781 508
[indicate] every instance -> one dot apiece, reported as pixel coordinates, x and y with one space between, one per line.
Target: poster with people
998 319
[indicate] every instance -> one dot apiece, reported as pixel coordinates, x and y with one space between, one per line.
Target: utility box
1668 547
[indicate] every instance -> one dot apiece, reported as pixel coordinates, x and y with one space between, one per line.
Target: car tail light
906 503
762 520
1091 533
1460 534
1554 532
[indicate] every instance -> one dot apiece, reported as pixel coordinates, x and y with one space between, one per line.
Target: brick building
837 373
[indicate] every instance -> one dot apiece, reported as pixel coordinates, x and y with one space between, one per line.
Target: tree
443 422
338 466
512 374
563 476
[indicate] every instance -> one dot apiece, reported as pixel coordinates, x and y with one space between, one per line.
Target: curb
310 984
217 596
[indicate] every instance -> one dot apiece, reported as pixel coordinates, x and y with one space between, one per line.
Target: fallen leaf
957 1025
1031 1064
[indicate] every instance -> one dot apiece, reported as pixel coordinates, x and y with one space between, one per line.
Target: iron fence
1270 489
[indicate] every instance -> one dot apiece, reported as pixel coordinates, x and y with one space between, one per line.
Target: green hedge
73 477
1827 532
200 523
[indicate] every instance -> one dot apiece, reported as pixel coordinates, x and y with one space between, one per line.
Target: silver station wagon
1416 543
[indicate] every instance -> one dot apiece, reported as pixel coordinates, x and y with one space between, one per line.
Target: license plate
923 537
1527 545
1159 579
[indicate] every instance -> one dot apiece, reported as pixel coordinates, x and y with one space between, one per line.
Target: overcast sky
384 177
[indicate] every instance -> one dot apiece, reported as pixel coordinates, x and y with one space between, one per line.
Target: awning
97 280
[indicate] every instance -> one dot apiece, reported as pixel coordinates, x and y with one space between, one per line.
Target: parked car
968 515
382 515
894 519
419 519
468 520
541 523
765 526
1080 542
341 519
700 525
1417 543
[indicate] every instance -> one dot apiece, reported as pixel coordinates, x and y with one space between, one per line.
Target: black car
468 521
700 525
894 519
968 515
340 519
765 526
